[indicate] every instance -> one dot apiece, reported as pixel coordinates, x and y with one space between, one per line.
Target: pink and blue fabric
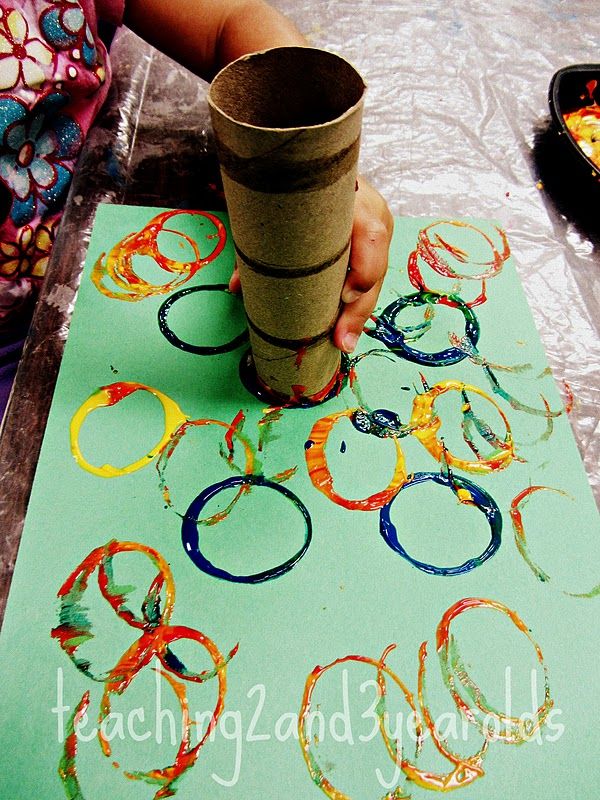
54 76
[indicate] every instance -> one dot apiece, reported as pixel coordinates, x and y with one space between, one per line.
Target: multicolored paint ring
431 250
510 730
321 477
467 493
488 368
315 770
387 332
109 396
233 432
416 278
118 264
521 540
426 424
431 247
74 627
155 643
465 771
155 640
517 404
199 350
190 534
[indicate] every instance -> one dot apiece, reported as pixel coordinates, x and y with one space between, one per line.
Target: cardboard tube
287 130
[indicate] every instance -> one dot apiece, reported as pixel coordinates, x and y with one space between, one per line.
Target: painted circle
481 500
394 339
191 539
320 475
110 395
200 350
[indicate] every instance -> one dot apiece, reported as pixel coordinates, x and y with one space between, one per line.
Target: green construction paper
349 594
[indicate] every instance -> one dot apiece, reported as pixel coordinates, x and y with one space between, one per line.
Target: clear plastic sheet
456 124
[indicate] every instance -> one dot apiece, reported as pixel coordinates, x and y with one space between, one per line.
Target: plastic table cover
456 124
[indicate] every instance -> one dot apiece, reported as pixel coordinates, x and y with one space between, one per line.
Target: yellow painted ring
109 396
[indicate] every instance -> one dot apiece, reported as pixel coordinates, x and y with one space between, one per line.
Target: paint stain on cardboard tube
287 129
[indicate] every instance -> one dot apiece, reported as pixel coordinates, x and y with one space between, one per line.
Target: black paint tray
568 92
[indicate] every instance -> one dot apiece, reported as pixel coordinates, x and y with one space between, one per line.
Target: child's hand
371 236
222 31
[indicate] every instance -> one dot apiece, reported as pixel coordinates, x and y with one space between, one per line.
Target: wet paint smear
199 350
467 493
191 538
381 423
155 635
465 770
570 402
388 332
118 264
521 540
67 769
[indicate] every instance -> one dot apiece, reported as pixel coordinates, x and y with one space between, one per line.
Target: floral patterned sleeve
54 75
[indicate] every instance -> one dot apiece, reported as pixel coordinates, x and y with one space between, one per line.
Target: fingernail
349 342
350 295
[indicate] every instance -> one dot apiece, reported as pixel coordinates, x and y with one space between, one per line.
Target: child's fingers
353 317
371 236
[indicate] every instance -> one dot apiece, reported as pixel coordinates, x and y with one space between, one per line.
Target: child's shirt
54 76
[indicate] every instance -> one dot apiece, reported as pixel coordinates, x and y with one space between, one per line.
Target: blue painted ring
191 539
199 350
482 500
386 332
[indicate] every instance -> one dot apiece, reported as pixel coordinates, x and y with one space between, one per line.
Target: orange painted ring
425 425
321 477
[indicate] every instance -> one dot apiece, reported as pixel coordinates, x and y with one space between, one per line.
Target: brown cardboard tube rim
237 90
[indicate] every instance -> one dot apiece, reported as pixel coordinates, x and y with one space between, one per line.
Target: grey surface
456 124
